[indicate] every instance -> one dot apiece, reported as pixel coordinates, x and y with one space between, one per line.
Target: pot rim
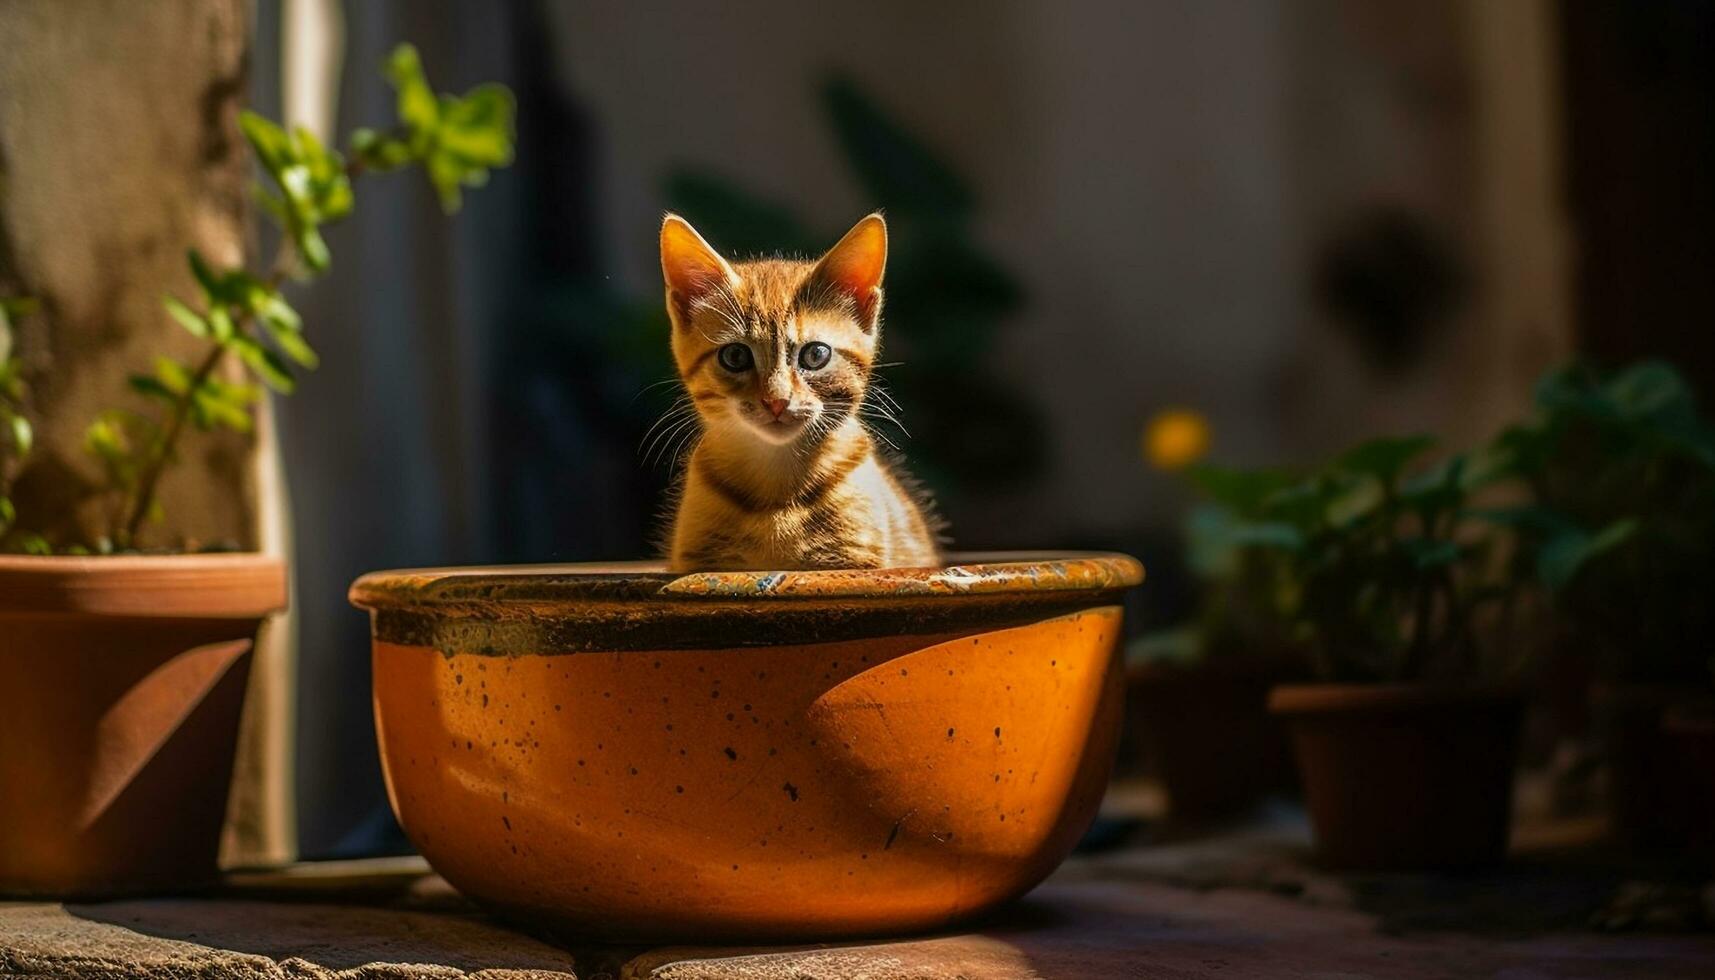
244 585
1331 698
974 574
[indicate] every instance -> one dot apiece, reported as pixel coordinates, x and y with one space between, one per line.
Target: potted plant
1401 596
1620 527
1197 693
122 659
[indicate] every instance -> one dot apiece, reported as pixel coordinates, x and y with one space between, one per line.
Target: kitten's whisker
878 412
680 405
661 436
672 436
877 433
652 386
669 421
687 444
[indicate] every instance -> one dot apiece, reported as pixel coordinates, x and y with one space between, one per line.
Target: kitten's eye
815 356
734 357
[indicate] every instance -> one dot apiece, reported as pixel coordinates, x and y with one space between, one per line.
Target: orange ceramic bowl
623 753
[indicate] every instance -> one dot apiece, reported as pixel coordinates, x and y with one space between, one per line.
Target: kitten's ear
691 267
854 267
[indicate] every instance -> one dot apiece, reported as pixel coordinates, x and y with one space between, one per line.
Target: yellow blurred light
1175 438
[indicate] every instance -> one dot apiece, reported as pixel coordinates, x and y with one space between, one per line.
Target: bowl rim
965 574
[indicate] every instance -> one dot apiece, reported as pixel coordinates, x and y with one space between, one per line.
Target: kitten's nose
775 405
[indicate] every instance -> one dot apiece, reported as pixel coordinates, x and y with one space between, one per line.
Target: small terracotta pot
1205 730
1650 790
1690 733
121 683
622 753
1404 777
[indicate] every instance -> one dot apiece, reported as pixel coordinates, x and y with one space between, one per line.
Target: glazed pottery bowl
624 753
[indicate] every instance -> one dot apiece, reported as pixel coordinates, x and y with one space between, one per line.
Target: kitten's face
774 351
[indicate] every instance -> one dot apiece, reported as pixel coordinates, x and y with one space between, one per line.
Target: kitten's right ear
691 267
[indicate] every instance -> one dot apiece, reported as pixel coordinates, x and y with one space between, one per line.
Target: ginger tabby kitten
776 358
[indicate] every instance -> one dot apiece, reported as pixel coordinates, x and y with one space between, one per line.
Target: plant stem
151 478
149 484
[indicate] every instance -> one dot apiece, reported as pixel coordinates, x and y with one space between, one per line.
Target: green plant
243 314
1620 524
16 435
1380 569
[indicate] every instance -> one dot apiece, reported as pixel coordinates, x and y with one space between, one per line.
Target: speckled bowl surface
618 752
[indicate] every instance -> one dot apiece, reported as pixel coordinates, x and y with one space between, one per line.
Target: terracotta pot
121 681
1206 732
1650 791
1690 734
625 754
1404 777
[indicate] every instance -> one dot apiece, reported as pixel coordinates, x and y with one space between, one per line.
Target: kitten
776 357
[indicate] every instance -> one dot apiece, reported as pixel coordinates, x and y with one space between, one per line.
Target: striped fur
784 473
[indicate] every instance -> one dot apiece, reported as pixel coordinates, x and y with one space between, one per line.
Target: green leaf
418 108
152 388
23 436
8 513
447 177
291 343
1384 458
1437 488
267 365
213 284
1356 502
1570 550
378 152
1427 553
1542 520
12 307
312 248
217 407
220 324
272 145
187 317
175 377
478 128
106 439
1242 490
269 306
1651 390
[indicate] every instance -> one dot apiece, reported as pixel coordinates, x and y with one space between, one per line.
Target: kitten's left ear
691 267
854 268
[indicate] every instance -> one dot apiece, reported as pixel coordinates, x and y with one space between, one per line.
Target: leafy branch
17 437
457 140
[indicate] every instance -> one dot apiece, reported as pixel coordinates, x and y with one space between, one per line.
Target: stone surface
196 939
1241 905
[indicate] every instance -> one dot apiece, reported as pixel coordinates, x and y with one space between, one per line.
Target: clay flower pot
622 753
1689 730
1403 777
1206 731
121 682
1652 783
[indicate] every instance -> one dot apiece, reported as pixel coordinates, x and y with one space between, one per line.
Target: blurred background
1302 222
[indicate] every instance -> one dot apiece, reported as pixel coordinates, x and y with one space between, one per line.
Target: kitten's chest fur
843 508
